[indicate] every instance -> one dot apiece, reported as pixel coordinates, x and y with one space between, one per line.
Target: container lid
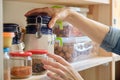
8 34
39 18
6 49
38 51
20 54
10 27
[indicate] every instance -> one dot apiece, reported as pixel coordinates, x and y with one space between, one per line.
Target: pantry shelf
88 63
36 77
79 66
67 2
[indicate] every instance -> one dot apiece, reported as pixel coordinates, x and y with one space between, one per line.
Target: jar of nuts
21 64
37 65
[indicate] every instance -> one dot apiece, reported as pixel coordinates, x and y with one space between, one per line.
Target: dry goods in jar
21 71
37 66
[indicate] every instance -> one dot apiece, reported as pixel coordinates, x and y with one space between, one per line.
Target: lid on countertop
38 51
20 54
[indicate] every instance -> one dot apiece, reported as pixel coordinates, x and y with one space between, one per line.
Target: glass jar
17 43
6 64
37 65
21 64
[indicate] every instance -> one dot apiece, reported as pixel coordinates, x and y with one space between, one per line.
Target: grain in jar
21 64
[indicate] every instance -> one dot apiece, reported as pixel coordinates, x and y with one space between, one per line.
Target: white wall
14 11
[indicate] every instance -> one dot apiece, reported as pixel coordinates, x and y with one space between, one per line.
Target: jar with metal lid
38 33
21 64
6 64
37 65
38 24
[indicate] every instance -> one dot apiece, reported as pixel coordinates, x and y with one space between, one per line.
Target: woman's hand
55 13
60 69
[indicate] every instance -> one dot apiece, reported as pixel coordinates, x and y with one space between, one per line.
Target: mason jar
21 64
37 65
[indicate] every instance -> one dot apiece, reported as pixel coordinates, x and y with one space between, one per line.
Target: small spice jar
37 65
21 64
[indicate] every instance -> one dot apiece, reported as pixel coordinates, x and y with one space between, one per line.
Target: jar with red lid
37 65
21 64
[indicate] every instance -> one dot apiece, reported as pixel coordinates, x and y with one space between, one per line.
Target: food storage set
76 46
24 51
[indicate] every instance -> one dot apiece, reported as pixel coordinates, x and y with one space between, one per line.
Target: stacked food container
76 46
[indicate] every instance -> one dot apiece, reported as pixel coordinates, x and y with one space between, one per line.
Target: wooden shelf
36 77
79 66
67 2
88 63
116 57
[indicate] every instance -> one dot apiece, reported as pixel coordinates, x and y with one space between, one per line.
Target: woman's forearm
95 30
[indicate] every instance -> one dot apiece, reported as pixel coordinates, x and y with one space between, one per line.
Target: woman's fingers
53 21
55 70
54 76
54 64
59 59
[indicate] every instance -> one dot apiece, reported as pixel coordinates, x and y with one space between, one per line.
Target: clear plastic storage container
21 64
37 65
75 48
67 30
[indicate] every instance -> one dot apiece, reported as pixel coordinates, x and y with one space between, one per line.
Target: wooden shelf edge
88 63
35 77
116 57
67 2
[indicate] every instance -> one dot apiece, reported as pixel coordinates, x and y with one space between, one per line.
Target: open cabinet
100 67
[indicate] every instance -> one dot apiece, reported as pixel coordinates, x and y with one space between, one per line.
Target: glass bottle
6 64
